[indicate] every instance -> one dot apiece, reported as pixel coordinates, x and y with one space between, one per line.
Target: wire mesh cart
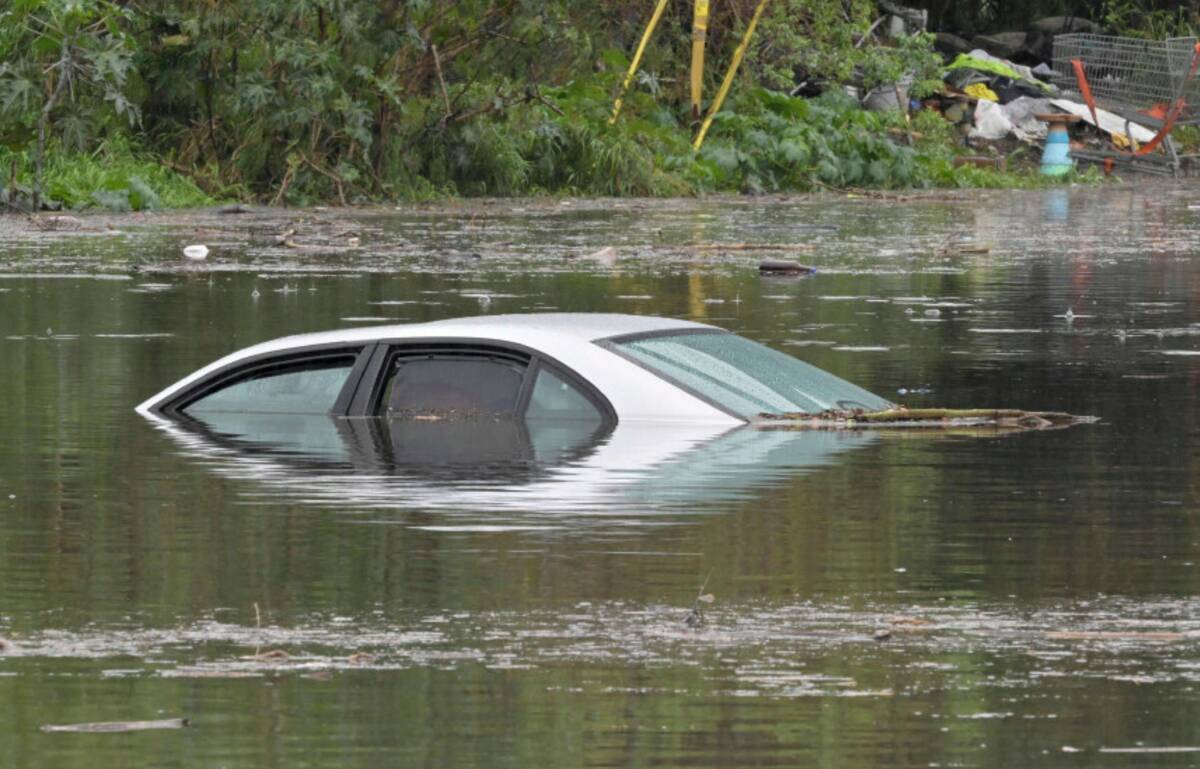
1148 82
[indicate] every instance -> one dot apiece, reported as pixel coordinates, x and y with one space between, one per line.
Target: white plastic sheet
990 121
1109 123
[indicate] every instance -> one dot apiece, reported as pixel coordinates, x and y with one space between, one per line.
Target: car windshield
745 377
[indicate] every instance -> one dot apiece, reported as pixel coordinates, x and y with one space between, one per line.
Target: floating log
784 267
927 418
103 727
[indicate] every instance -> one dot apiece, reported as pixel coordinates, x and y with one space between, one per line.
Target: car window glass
302 436
310 387
745 377
557 440
453 387
555 398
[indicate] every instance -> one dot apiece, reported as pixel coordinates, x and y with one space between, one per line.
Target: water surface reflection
514 471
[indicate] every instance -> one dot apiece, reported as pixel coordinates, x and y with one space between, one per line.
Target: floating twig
806 247
101 727
695 617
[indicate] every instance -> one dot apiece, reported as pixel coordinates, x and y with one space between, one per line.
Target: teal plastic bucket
1056 157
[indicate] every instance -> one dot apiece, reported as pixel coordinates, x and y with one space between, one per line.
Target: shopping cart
1148 82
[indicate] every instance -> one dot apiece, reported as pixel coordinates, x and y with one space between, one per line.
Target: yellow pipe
699 35
728 81
637 59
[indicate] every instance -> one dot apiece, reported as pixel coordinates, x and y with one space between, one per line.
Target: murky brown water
1039 589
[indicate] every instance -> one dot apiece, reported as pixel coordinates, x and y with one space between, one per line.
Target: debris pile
999 88
941 418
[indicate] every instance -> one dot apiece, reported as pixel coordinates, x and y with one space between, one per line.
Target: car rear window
744 377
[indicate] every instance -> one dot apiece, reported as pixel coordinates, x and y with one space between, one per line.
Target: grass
115 177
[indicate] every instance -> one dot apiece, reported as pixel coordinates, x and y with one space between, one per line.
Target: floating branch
101 727
926 418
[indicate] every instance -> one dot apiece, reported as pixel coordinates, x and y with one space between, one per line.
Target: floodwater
886 599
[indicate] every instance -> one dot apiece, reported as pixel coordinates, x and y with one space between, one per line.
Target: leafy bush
352 100
112 177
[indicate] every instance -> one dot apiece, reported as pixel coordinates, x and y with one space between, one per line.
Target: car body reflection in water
516 473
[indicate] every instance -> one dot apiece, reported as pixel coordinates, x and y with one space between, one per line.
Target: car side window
452 387
555 398
305 387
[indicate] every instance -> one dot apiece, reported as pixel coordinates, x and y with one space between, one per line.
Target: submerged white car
541 412
593 369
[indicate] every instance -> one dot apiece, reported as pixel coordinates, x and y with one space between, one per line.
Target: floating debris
805 247
196 252
58 222
784 267
272 655
842 419
103 727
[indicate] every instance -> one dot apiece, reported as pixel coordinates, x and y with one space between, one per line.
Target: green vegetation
1150 20
175 102
112 176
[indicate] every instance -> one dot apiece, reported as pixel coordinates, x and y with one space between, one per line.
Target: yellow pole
728 81
637 59
699 35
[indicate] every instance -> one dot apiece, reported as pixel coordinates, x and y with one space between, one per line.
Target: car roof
580 326
559 329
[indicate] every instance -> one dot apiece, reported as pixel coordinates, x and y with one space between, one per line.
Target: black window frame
367 399
177 404
363 388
